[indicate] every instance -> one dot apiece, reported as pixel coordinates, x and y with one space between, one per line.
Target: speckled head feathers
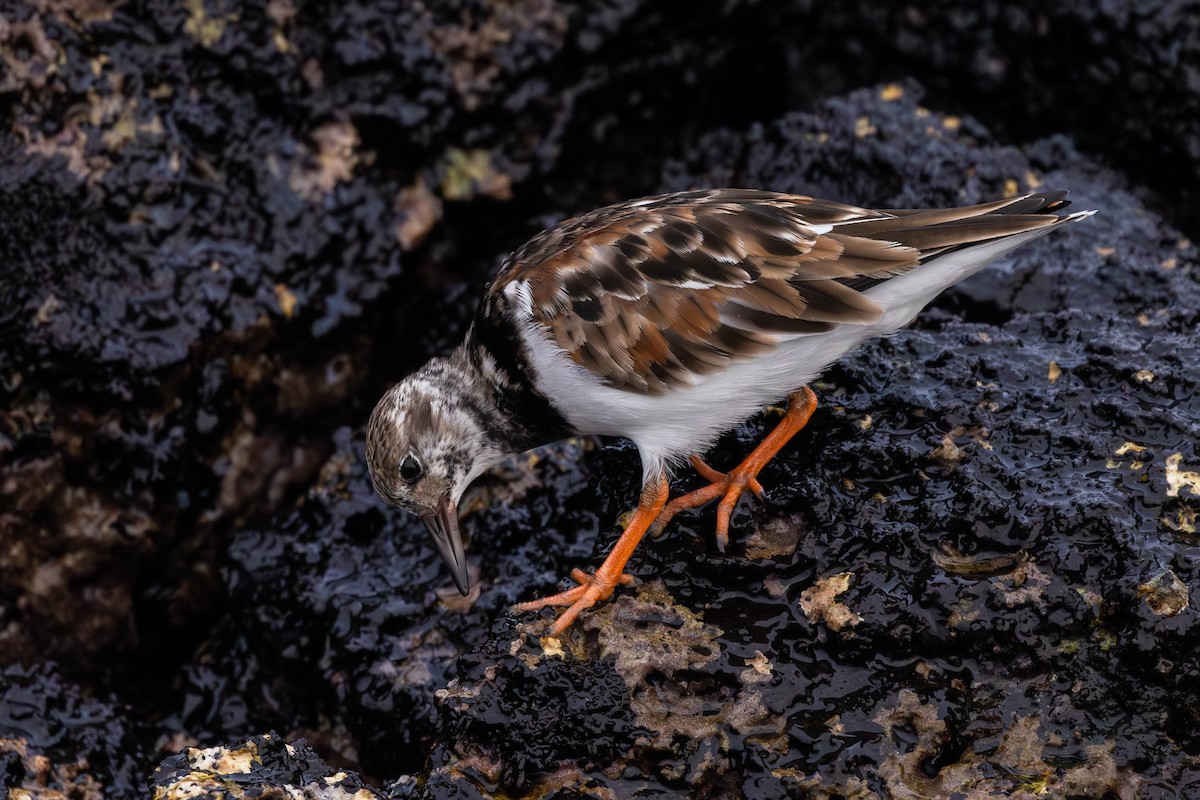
423 442
427 439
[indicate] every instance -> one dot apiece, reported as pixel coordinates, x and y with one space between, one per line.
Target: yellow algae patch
1165 594
1184 520
224 761
468 173
818 602
333 163
205 29
420 209
286 299
1179 479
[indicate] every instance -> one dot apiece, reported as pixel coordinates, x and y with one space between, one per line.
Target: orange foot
597 588
730 485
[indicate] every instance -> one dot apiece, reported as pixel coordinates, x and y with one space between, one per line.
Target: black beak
443 527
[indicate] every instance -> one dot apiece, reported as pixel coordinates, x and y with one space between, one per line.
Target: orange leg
599 587
729 486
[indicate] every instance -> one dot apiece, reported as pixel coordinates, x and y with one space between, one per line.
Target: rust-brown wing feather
650 293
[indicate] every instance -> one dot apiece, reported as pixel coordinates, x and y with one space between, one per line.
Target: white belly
667 427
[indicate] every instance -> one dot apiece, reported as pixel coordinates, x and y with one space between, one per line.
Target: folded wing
652 293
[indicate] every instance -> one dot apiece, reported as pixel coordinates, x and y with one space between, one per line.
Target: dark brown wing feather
647 293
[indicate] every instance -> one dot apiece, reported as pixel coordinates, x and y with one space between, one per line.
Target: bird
668 320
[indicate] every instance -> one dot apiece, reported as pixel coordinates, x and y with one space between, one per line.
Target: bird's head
424 447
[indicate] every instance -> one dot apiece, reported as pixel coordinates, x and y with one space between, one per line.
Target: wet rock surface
59 739
1128 66
260 766
226 229
203 207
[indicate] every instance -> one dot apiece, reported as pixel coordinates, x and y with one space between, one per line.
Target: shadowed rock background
226 227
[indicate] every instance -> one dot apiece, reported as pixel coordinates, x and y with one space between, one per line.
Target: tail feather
937 233
905 295
1040 203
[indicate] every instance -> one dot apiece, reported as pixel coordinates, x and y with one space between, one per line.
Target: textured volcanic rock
980 549
976 568
58 741
1119 76
199 201
261 766
961 578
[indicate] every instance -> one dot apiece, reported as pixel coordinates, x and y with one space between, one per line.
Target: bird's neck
513 416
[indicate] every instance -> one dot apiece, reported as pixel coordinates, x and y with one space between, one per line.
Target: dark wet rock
260 766
202 206
947 589
975 507
58 741
1118 76
514 710
350 597
224 228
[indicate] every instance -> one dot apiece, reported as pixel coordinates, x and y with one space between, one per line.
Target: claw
599 587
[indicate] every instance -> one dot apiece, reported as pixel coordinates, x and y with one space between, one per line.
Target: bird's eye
410 469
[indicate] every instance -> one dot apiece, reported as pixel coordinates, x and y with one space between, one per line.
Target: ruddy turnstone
668 320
